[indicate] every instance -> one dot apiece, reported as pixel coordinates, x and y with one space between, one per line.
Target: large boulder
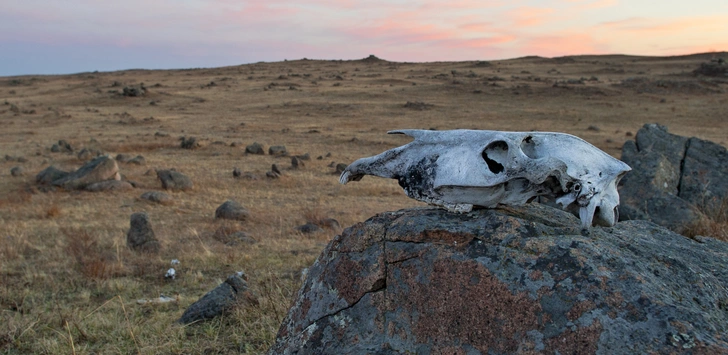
673 178
100 169
521 280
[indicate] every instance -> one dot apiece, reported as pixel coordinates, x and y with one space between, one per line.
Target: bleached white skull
461 168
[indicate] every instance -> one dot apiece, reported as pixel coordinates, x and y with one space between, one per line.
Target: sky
71 36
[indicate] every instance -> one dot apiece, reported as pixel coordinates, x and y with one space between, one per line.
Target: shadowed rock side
501 281
672 178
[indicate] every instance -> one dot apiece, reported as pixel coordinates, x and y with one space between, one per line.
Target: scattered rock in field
628 134
272 175
18 159
138 160
62 147
109 185
161 134
171 274
157 197
296 163
274 168
418 105
277 151
189 143
141 235
237 172
134 91
717 68
427 281
593 128
340 168
174 180
50 174
232 210
255 148
309 228
88 154
100 169
17 171
123 158
320 157
220 300
304 156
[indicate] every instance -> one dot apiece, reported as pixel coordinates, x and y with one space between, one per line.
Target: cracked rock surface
500 281
671 178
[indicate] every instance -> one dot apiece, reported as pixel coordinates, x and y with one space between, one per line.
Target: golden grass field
69 285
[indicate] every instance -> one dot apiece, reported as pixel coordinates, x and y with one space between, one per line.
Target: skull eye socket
528 147
495 153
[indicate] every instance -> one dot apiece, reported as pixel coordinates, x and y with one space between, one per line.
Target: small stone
232 210
157 197
274 168
141 235
255 148
296 163
138 160
594 128
88 154
277 150
189 143
220 300
50 174
17 171
237 173
174 180
340 168
123 158
309 228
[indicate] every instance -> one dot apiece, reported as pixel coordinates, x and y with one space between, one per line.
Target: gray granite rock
140 236
673 178
174 180
99 169
503 281
232 210
221 299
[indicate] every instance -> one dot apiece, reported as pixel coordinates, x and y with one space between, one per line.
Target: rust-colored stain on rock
447 309
582 341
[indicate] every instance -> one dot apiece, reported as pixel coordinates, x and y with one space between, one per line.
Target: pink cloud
527 16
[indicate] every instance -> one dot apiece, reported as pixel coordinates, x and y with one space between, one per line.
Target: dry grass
69 285
714 222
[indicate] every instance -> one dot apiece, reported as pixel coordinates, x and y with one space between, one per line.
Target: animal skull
461 168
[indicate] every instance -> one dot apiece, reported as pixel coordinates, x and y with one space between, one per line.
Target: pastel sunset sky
55 37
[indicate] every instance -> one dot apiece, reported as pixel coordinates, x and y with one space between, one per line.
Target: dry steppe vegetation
68 283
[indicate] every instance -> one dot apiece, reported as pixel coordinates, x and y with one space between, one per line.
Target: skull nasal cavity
495 153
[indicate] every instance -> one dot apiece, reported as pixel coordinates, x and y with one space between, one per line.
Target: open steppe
68 284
